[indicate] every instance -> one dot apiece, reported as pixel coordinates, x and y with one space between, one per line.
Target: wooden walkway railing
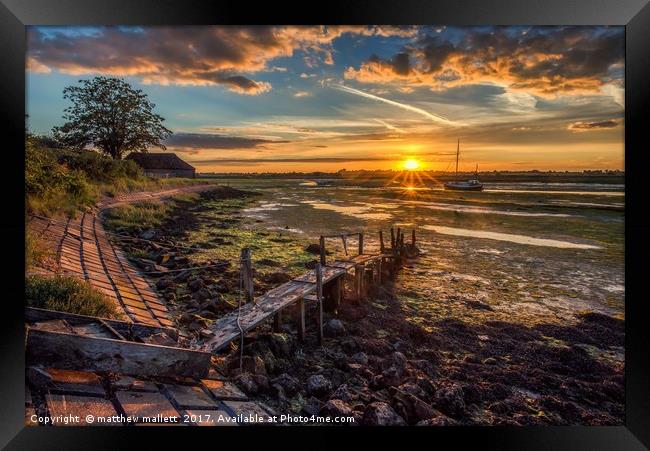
308 287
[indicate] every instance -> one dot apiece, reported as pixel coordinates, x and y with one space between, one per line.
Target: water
549 250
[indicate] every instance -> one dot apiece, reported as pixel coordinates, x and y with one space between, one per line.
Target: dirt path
82 249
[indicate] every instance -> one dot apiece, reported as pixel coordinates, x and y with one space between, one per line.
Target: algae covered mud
513 314
548 249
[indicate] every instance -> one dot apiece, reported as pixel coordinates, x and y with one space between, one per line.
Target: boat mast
457 153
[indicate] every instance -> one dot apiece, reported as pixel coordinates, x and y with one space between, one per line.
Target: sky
325 98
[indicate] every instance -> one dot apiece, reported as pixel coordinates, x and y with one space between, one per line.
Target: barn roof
159 161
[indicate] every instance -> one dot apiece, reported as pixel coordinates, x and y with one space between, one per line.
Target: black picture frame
15 15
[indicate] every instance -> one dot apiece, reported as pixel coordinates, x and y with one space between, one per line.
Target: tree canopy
111 116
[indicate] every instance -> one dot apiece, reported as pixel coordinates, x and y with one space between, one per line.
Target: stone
80 406
381 414
334 328
202 294
195 285
290 384
312 406
190 396
281 344
360 357
206 333
343 393
318 385
253 365
450 400
336 408
278 277
148 234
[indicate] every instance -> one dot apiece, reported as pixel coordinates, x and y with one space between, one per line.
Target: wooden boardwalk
82 250
274 301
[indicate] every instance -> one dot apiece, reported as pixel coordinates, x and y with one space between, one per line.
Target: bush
67 294
99 168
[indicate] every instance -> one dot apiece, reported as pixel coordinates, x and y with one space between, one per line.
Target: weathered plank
69 351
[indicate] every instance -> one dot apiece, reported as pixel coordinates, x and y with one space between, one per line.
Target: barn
162 165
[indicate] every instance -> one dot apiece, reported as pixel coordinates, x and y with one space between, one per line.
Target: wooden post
382 248
392 238
247 274
360 243
380 269
301 320
321 243
402 249
319 302
358 281
413 237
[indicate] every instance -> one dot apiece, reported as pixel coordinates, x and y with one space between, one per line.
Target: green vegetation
67 294
66 181
137 215
35 250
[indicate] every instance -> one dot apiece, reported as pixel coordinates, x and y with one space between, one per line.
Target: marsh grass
68 294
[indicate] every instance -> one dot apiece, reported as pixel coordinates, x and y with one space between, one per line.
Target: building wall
165 173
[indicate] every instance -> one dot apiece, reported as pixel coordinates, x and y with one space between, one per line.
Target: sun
411 164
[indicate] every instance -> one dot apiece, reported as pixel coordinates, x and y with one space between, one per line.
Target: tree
111 116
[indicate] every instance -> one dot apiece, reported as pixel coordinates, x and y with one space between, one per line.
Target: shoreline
384 368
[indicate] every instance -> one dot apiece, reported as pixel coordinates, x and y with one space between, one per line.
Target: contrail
404 106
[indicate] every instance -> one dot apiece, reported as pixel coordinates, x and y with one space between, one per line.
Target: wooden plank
125 328
301 319
68 351
319 297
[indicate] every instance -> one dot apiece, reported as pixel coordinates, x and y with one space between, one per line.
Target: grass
137 216
36 251
67 294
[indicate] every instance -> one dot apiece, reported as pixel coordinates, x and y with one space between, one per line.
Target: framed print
399 219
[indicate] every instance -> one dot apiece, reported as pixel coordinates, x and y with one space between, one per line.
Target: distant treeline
596 176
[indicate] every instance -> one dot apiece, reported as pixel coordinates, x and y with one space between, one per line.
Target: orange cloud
196 55
545 63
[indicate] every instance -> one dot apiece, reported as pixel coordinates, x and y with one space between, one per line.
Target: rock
245 381
158 269
278 277
165 283
349 344
440 420
181 276
289 383
336 408
318 385
254 365
360 357
281 344
196 326
311 407
398 360
343 393
381 414
186 318
203 294
195 285
148 234
163 258
334 328
313 249
450 400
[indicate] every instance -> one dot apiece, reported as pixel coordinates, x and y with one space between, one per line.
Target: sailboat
468 185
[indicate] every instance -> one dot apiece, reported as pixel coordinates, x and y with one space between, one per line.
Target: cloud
544 61
434 117
190 55
597 125
213 141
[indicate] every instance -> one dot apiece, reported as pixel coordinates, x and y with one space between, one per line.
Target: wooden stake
319 301
301 320
382 248
392 238
247 274
336 293
360 243
413 237
321 243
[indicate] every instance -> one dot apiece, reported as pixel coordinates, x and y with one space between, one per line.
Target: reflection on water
520 239
359 211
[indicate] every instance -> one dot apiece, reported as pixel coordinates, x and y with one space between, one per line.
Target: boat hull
463 186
